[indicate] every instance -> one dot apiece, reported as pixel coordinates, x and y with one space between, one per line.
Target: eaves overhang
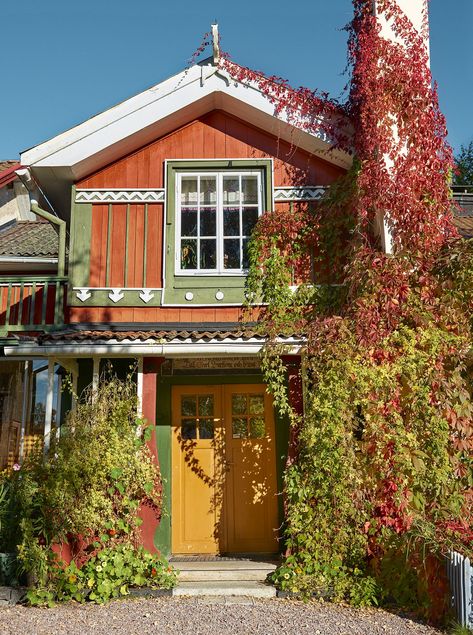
122 129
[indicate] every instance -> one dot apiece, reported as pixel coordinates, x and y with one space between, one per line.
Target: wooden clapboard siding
215 135
154 314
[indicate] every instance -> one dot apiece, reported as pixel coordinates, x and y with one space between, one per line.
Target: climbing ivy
380 484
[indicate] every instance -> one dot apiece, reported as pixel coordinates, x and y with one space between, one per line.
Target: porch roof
152 335
29 239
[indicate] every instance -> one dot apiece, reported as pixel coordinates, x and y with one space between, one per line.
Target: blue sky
66 60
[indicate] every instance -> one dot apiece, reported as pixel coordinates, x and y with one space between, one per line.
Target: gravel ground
205 616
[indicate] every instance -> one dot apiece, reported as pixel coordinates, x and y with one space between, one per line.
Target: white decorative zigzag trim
121 196
310 193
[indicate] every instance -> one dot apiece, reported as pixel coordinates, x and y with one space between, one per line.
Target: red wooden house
153 202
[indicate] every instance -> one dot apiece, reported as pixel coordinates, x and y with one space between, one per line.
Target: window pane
231 190
231 221
231 254
208 190
239 428
208 224
206 405
189 429
256 404
206 429
249 185
250 216
257 427
189 406
189 190
189 254
189 221
208 254
238 404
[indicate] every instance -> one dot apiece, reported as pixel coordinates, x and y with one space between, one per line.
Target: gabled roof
28 239
157 111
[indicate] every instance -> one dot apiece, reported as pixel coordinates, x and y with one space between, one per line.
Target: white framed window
215 215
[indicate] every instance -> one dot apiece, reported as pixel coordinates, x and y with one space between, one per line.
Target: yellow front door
224 477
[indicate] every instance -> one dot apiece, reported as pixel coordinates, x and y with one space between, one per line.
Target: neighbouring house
155 200
14 195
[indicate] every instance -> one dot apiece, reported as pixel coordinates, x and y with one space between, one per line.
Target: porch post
24 409
48 417
151 367
75 377
139 387
95 376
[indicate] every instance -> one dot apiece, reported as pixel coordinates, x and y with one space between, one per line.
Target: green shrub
87 492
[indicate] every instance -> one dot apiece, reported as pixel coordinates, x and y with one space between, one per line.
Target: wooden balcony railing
31 303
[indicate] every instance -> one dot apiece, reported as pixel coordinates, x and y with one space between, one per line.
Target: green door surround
162 538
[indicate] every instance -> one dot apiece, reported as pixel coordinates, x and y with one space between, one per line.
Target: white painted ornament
116 295
83 295
146 295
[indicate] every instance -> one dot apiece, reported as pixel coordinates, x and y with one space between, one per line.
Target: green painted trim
109 243
162 538
204 287
127 228
132 298
145 244
25 279
79 257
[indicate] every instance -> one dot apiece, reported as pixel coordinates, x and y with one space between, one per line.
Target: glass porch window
216 215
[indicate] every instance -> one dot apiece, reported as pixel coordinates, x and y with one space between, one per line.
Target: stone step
225 588
235 571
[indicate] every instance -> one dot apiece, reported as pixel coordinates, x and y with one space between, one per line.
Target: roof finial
215 43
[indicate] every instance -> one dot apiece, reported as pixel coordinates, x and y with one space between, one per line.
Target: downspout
61 224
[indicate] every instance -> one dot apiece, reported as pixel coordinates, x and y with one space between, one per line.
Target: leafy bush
86 493
107 575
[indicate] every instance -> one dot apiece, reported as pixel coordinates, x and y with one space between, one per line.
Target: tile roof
29 239
154 335
7 163
464 215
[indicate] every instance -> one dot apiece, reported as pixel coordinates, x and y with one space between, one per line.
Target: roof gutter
61 224
168 349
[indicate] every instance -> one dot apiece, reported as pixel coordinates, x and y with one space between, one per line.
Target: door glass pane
188 406
208 190
231 221
257 430
208 253
189 254
206 405
256 404
238 404
231 190
189 221
206 429
239 427
189 190
249 186
189 429
250 216
208 224
231 253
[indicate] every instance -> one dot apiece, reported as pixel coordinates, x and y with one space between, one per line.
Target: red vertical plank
154 246
117 250
139 245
